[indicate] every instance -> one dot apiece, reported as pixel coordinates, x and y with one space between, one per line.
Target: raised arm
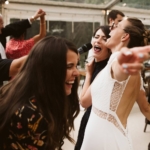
129 62
85 95
42 31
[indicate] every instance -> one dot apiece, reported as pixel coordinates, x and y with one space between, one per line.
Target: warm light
108 12
6 2
124 4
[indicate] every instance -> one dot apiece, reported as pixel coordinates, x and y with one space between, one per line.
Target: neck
101 59
118 47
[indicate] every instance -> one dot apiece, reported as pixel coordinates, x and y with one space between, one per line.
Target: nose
76 72
99 40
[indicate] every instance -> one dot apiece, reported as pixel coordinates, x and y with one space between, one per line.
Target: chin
68 93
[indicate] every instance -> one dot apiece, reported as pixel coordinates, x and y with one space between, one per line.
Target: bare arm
129 61
16 65
143 104
42 31
117 72
85 95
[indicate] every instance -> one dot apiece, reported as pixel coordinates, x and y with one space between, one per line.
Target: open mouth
70 82
97 49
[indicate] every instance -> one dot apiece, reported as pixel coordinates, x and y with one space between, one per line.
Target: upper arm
42 31
16 65
117 73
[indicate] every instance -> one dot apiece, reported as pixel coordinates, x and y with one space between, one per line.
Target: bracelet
33 18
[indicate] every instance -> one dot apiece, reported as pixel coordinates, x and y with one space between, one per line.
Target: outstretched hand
131 60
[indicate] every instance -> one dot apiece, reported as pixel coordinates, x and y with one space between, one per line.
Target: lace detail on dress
116 95
109 117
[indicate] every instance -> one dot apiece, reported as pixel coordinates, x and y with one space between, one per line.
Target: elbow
146 112
42 35
84 103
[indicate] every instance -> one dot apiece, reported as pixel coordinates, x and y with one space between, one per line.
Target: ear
110 21
125 37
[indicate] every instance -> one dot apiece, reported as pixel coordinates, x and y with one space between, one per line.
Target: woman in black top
101 55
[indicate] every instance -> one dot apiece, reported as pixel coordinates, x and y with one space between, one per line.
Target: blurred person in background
115 16
17 46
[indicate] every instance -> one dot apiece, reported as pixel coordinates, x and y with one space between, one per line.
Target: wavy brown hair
43 76
139 35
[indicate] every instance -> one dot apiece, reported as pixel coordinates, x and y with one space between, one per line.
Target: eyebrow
100 35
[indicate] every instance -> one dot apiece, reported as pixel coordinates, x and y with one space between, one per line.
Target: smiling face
118 35
100 51
72 72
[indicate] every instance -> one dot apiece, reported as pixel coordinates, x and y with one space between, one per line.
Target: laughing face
72 72
100 51
117 34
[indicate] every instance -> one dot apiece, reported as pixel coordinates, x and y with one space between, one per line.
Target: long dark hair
43 76
105 30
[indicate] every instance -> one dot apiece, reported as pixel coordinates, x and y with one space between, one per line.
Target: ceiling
107 4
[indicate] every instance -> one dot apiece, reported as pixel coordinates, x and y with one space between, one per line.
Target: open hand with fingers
131 60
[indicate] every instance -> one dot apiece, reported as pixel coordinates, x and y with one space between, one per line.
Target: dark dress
98 66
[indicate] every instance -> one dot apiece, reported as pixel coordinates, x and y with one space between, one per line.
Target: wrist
88 75
33 18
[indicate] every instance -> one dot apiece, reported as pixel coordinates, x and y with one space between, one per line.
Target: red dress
18 48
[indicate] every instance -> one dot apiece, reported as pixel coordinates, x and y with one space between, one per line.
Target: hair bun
146 36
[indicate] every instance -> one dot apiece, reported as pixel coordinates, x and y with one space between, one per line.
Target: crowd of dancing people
39 102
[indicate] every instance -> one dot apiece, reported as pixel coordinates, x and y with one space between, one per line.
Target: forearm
85 100
146 110
42 27
144 104
42 31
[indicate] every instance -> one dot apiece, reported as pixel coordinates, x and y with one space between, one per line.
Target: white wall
59 11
